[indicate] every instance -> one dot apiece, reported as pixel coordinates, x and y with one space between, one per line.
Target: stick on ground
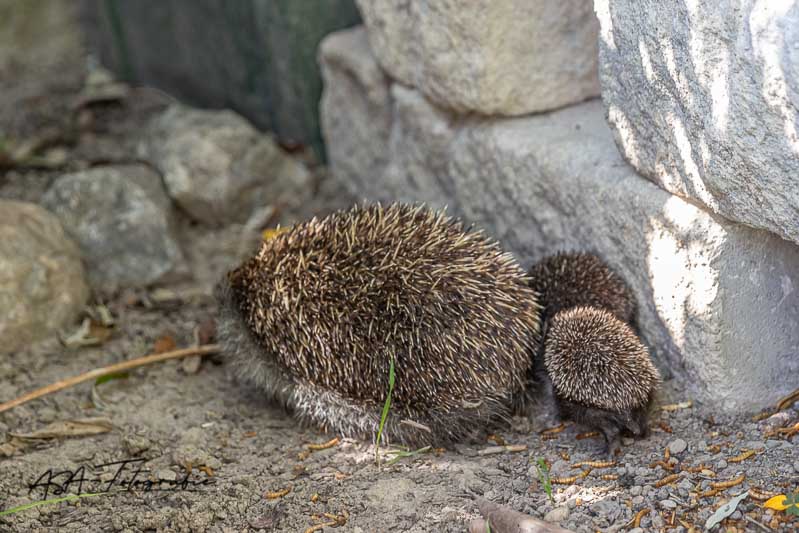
99 372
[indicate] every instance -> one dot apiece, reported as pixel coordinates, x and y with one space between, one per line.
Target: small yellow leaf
271 233
776 503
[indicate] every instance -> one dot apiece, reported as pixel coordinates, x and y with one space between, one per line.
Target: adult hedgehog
316 317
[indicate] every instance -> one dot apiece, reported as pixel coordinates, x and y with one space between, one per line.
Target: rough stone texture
218 168
348 67
711 292
42 286
703 98
506 57
120 216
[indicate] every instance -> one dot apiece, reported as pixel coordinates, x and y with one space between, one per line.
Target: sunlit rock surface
703 98
505 57
718 301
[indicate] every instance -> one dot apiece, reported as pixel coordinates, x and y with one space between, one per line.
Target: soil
248 465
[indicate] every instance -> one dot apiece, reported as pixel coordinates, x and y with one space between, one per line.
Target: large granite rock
506 57
710 291
42 285
703 98
121 217
219 168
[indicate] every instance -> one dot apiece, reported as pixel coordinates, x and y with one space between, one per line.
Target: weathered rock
703 98
121 218
42 285
348 67
709 291
218 168
506 57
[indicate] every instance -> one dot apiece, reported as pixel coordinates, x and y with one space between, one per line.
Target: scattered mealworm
761 495
637 520
609 477
762 416
323 446
277 494
340 476
729 483
709 493
595 464
565 480
587 435
788 400
741 457
677 406
663 464
497 439
303 455
549 436
695 469
667 480
665 427
249 434
714 448
207 470
556 429
565 455
315 497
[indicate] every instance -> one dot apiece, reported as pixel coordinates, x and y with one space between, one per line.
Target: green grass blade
68 498
386 407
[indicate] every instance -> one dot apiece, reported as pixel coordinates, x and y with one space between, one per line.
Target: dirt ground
227 461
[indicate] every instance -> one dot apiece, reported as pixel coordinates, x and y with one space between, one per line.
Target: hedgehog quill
316 316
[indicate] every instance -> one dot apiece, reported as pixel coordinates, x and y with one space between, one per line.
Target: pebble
166 474
636 490
677 446
557 515
638 500
636 530
721 465
736 515
701 446
773 443
796 466
657 521
668 504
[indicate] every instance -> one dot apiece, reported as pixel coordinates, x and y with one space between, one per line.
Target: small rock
755 444
668 504
42 286
721 465
638 500
219 168
557 515
701 446
657 521
166 474
635 490
796 466
736 515
770 444
121 218
677 446
636 530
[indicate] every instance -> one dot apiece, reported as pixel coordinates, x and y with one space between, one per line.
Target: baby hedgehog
601 373
316 317
569 279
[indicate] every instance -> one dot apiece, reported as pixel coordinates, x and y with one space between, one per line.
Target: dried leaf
69 428
724 511
165 343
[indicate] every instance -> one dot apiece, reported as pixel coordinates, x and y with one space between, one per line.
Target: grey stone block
703 98
718 304
506 57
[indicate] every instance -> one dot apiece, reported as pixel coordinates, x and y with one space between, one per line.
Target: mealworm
323 446
587 435
761 495
594 464
637 520
730 483
556 429
277 494
741 457
666 480
609 477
